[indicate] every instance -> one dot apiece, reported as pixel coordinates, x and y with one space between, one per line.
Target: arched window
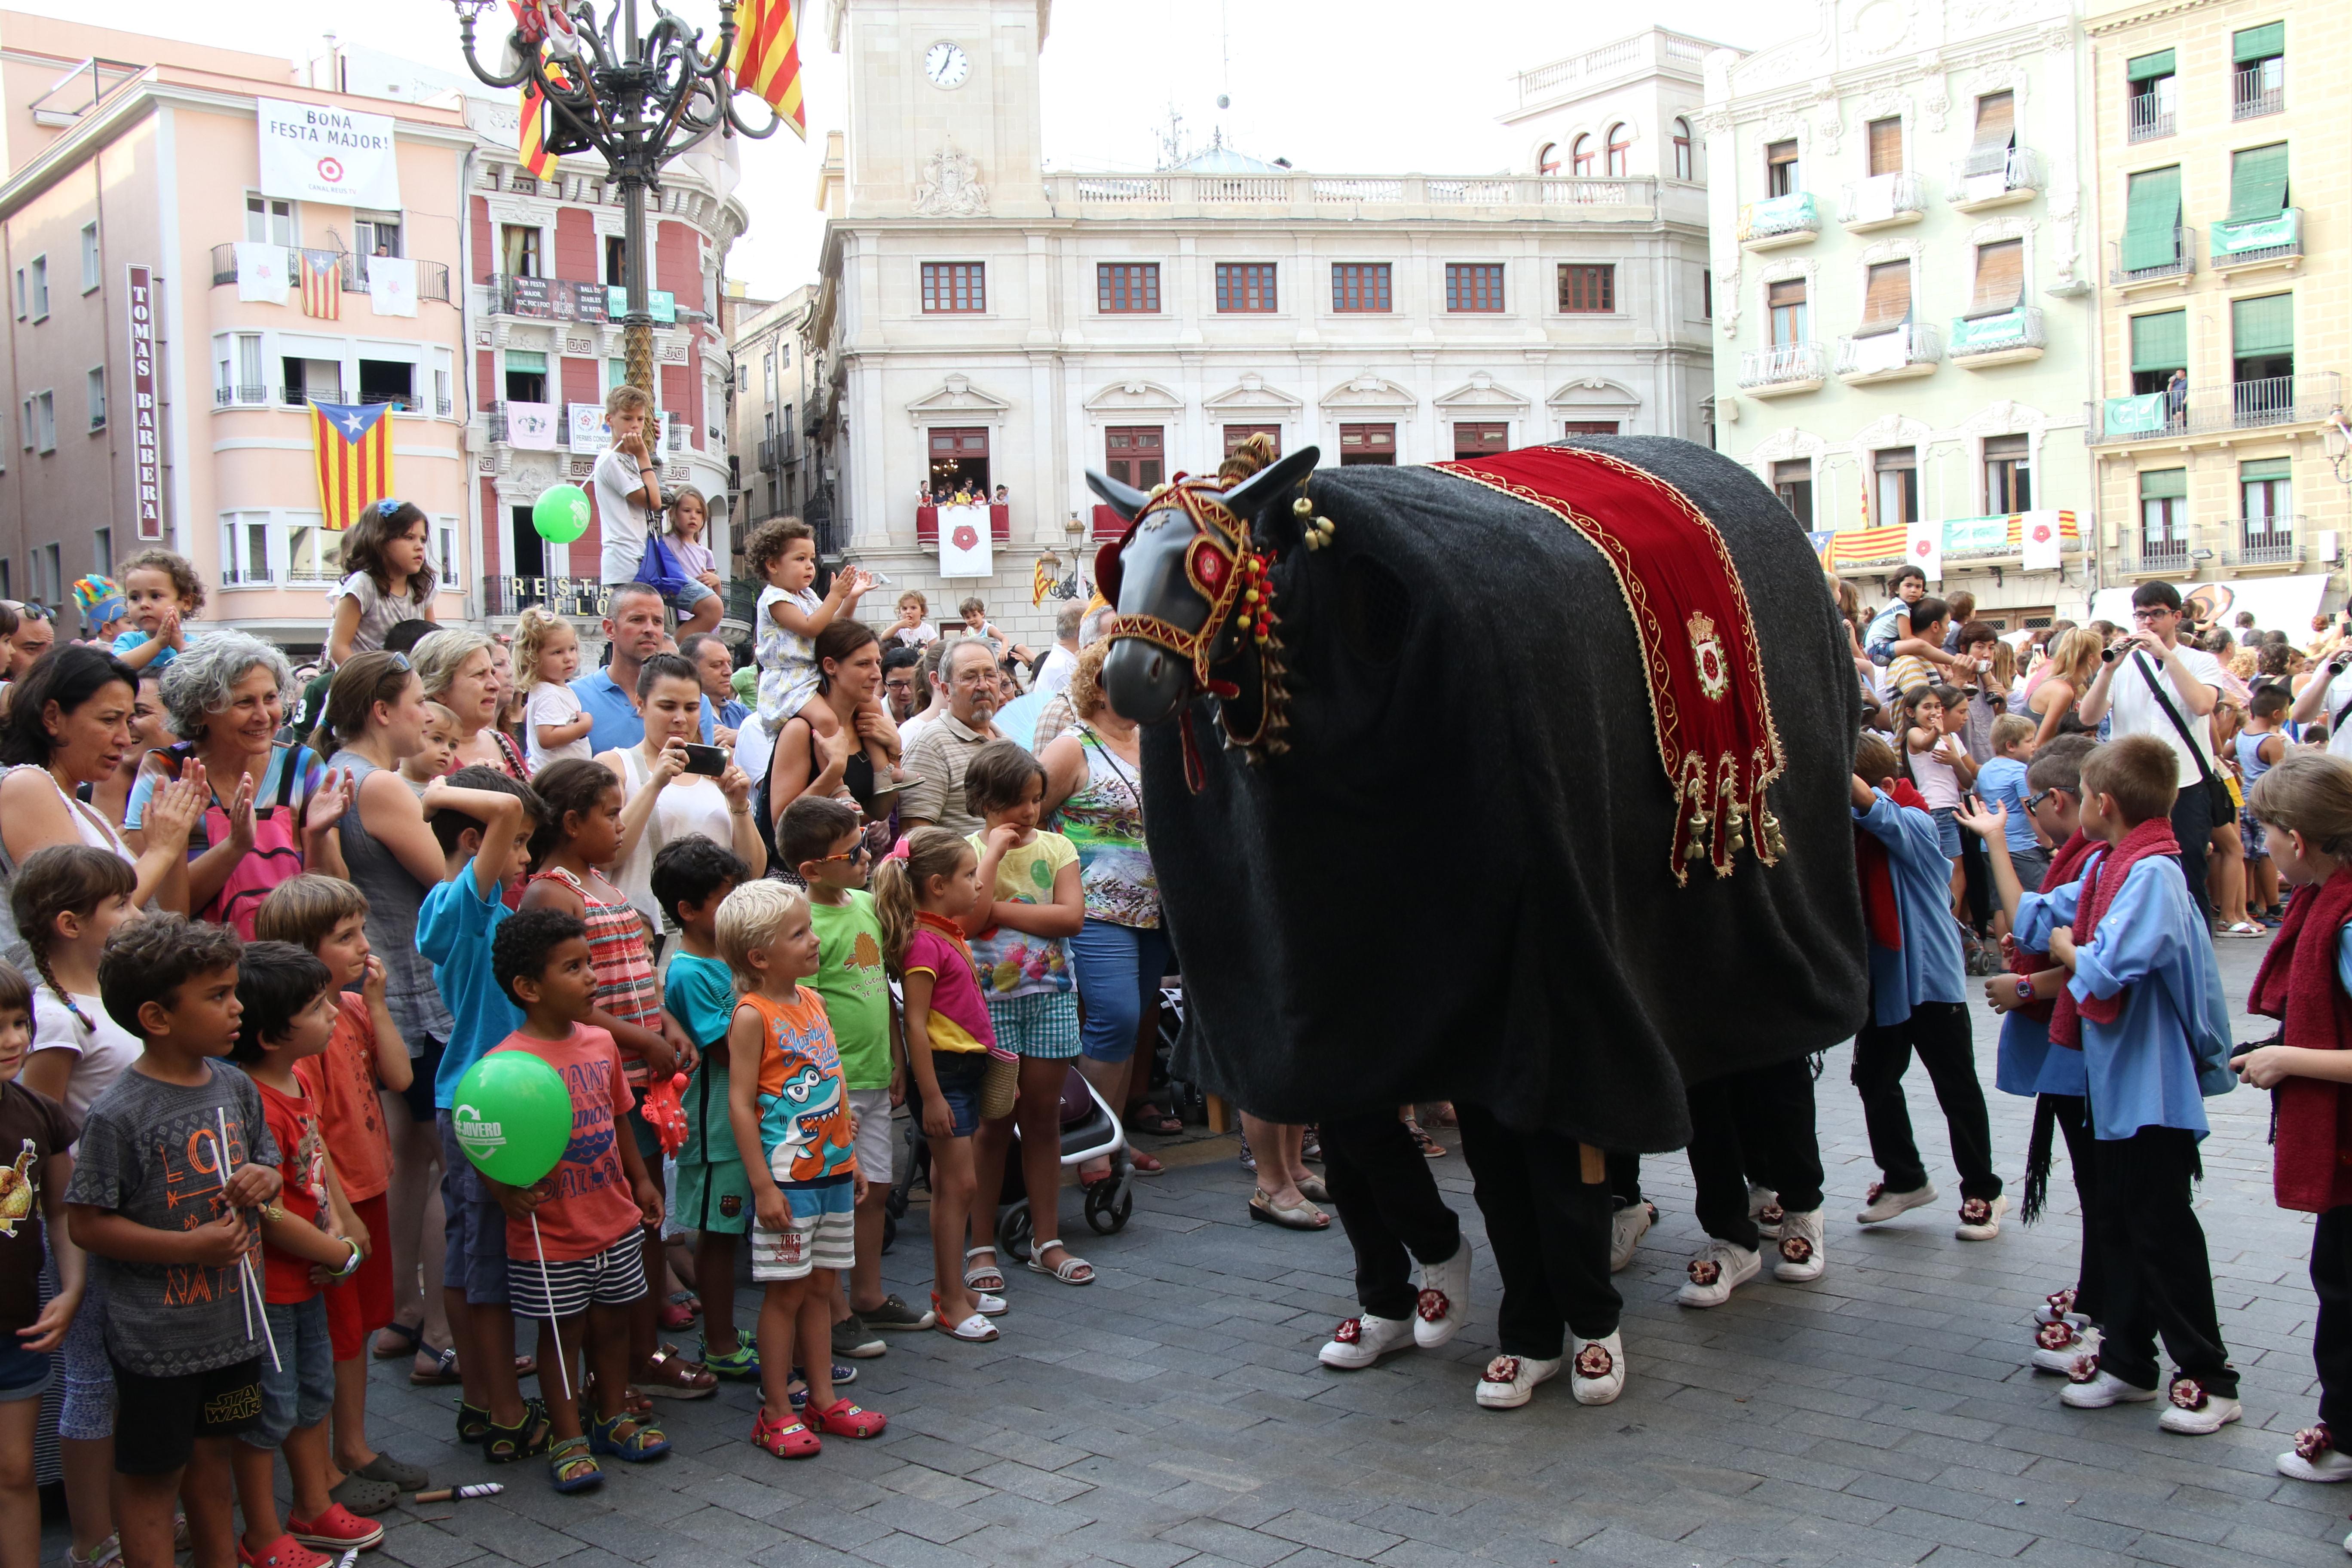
1548 161
1621 141
1683 163
1580 158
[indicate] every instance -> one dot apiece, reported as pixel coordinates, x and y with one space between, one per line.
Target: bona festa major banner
313 154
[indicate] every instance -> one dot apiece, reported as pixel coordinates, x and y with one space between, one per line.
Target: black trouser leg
1939 1033
1549 1231
1718 1162
2158 1279
1977 878
2083 1155
1881 1053
1389 1205
1624 1179
2331 1341
1774 1109
2192 824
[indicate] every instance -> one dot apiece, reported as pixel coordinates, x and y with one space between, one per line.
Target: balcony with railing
2216 410
1912 348
350 273
2150 117
240 397
1574 75
1882 201
1177 194
1777 221
2176 267
2158 558
1996 178
2012 337
2260 542
774 452
1782 370
927 523
2259 90
548 299
2258 242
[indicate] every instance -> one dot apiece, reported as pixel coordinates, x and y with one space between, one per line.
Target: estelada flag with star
354 447
767 57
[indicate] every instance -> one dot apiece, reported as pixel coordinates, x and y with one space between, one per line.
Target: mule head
1148 577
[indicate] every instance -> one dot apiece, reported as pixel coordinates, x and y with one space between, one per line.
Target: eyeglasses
2034 801
855 853
2153 613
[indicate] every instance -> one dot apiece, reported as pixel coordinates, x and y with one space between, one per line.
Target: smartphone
710 761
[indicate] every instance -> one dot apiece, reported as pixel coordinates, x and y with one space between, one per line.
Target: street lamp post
638 99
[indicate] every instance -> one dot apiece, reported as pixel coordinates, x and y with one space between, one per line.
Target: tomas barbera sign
311 153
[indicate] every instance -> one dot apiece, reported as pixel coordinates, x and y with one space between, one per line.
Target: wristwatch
2025 988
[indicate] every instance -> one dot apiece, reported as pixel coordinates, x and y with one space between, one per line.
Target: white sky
1341 86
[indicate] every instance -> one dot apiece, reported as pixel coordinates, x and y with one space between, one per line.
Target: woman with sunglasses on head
849 680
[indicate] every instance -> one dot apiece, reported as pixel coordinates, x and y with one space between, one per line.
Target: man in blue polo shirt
634 625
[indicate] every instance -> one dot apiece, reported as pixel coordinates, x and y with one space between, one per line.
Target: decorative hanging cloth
1707 703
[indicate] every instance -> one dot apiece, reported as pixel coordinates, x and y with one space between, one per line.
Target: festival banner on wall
311 153
964 544
146 426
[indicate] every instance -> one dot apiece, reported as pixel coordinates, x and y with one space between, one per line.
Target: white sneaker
1626 1229
1596 1369
2192 1412
1802 1254
2094 1390
1719 1267
1361 1342
2058 1346
1981 1219
2056 1305
1764 1208
1881 1205
1510 1380
2314 1458
1445 1299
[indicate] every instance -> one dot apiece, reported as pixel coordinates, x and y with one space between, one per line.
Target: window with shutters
519 249
2153 99
1128 288
2008 475
2261 339
1548 159
2000 277
1368 446
1588 290
1361 286
2266 500
1894 477
1589 427
2152 239
1996 133
1481 439
1685 161
959 460
1474 286
2160 345
2258 85
1237 433
2163 514
88 257
1785 303
1781 172
1887 300
1134 455
1620 151
1886 146
1707 293
1581 157
1794 483
2258 187
1246 288
955 288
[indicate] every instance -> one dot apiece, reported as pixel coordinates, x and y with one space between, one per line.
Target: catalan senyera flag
531 142
352 444
322 287
767 57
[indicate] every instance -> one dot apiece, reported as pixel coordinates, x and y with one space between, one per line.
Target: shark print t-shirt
32 1128
803 1108
151 1151
592 1206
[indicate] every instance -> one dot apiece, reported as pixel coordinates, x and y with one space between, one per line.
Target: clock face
946 65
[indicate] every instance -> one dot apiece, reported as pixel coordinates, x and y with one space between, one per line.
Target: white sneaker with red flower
1445 1299
2092 1389
1980 1218
2194 1411
1627 1227
2058 1346
1803 1252
1361 1342
1764 1208
2314 1458
1596 1369
2056 1305
1720 1266
1510 1380
1879 1206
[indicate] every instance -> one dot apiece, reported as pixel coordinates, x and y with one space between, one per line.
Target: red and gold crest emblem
1707 654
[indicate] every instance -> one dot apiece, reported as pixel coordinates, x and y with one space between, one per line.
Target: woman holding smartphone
676 788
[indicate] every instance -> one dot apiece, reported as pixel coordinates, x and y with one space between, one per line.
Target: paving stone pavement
1173 1413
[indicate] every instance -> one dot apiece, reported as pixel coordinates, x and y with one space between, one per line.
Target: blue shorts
960 1075
1948 831
1881 652
298 1390
24 1374
473 1227
1043 1024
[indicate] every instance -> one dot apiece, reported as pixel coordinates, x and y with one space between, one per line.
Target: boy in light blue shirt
2001 782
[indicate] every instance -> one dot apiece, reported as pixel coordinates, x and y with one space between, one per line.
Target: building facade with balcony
2223 329
1903 273
543 267
776 470
983 322
147 404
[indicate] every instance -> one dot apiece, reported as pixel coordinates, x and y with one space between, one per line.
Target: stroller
1090 1131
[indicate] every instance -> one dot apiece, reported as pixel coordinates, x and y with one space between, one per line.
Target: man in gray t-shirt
150 1152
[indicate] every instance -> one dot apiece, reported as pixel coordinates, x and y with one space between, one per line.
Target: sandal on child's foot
983 1276
670 1376
525 1438
643 1441
572 1467
785 1439
842 1419
473 1422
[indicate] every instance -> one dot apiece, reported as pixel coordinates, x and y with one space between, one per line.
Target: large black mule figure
1412 844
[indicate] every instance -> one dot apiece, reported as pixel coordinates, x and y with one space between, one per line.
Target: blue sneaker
740 1364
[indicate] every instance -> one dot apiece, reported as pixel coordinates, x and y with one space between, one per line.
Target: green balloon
560 513
513 1116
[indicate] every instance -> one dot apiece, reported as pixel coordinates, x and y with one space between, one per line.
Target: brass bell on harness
1736 829
1696 850
1775 845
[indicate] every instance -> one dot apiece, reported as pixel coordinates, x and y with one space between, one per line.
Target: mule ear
1124 499
1264 500
1107 571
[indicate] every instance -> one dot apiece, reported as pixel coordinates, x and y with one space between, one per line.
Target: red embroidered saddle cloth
1708 702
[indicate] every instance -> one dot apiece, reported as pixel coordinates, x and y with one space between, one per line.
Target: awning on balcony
2287 603
2262 326
2266 469
2000 276
2160 341
2257 183
2153 217
2147 67
2258 43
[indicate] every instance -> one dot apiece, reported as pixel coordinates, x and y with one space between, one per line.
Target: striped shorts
1043 1024
566 1287
823 1232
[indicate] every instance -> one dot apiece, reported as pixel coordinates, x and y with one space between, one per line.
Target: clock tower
943 106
